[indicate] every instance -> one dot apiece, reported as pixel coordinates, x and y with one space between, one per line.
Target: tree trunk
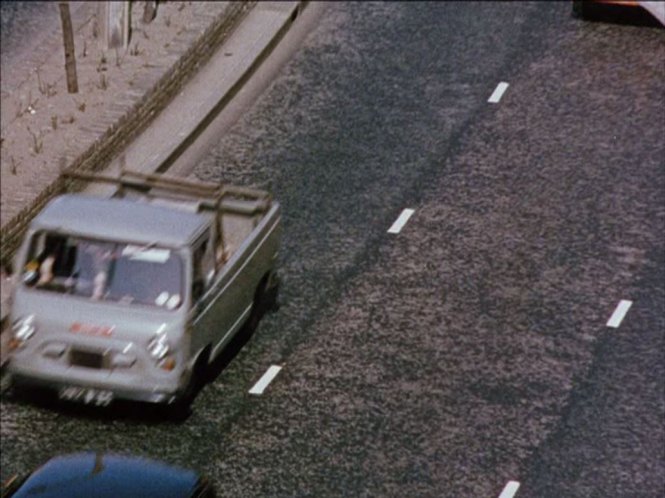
70 56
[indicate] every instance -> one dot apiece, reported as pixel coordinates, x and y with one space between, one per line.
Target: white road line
401 221
498 93
620 311
510 489
267 378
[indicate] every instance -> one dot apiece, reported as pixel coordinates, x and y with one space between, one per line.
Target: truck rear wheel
265 299
271 292
257 306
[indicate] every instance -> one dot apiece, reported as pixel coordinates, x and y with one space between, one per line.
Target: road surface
469 346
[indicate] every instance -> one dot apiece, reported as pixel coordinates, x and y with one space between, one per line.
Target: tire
258 306
580 11
265 299
272 292
181 407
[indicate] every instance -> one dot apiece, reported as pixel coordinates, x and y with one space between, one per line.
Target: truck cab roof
122 219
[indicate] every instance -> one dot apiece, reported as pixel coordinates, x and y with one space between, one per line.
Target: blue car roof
85 475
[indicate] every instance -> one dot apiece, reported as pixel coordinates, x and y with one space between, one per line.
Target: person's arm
46 270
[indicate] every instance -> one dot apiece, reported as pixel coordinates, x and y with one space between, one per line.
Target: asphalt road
471 348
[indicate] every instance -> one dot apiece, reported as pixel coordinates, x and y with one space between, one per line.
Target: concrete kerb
100 155
291 10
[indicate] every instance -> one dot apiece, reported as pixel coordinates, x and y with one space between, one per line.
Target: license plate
86 395
86 359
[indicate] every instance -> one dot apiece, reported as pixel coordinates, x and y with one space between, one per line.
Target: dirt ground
44 128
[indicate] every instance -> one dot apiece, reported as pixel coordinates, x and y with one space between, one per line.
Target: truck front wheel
181 408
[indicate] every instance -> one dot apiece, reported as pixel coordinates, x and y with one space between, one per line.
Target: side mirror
197 289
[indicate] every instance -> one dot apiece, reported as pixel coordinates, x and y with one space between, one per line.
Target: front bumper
23 378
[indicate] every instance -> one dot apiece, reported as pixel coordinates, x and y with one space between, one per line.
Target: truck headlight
158 346
22 330
160 350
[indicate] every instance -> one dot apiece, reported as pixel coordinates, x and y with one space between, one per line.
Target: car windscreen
105 271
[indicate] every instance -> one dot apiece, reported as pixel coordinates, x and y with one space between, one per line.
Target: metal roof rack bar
190 188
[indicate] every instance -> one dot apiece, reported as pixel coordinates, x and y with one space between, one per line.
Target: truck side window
50 258
204 269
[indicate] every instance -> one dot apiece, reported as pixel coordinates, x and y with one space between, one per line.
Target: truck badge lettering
97 330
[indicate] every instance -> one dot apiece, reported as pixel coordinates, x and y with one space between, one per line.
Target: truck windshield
105 271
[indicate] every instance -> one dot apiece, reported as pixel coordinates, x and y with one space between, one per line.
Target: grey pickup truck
132 296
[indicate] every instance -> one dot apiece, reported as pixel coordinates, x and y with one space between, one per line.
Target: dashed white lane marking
498 93
401 221
267 378
620 312
510 489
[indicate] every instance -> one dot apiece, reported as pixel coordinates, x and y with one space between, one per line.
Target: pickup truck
132 296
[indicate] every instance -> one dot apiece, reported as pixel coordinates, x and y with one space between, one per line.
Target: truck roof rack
209 195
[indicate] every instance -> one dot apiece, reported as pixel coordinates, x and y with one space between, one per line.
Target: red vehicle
584 9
